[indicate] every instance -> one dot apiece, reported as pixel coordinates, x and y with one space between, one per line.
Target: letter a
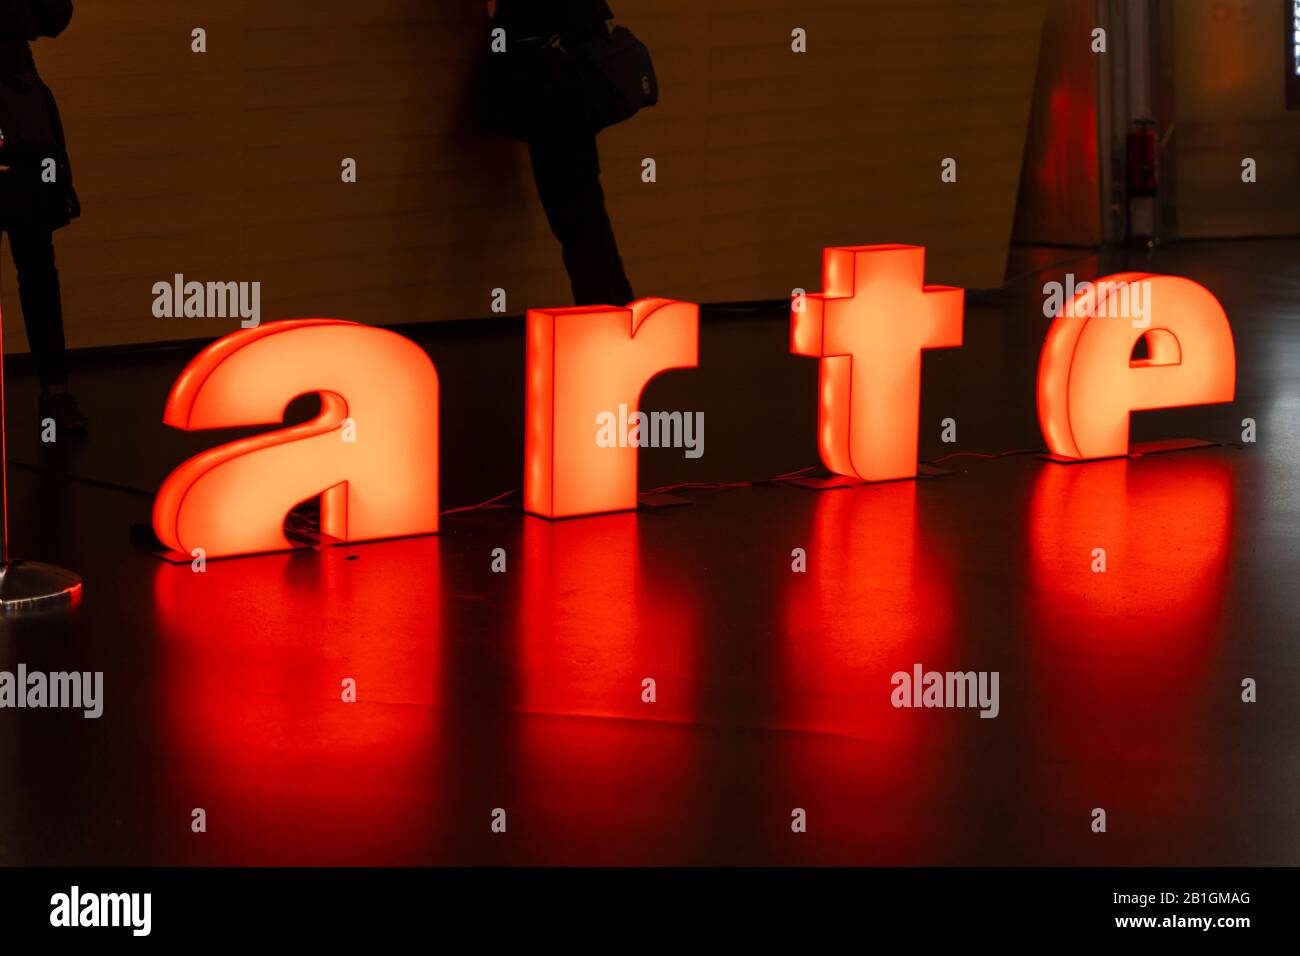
868 328
233 499
1088 382
581 363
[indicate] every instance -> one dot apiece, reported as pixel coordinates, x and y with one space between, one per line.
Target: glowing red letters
372 452
582 362
1087 381
868 328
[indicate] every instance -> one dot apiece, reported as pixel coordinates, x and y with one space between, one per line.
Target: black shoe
62 407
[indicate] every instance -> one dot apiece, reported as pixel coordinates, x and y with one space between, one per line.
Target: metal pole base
33 586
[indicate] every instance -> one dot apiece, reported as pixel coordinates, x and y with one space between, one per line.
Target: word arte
867 330
35 690
75 908
922 688
211 300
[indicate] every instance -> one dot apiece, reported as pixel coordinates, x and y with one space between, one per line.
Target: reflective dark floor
523 690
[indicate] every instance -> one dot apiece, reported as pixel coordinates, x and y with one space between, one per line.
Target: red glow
871 603
1087 383
868 328
596 623
234 498
582 363
876 598
1134 646
253 727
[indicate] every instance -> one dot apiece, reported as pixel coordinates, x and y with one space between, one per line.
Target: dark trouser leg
567 171
38 290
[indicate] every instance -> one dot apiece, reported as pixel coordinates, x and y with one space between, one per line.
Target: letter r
582 362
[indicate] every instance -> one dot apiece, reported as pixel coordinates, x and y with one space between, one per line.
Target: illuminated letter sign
868 328
1088 382
584 363
371 453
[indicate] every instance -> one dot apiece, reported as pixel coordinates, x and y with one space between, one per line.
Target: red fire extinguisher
1141 207
1142 159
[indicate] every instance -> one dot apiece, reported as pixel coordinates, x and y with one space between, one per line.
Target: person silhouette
36 195
563 153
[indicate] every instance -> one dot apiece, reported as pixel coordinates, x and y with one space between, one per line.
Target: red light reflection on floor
874 600
255 731
525 691
594 623
1122 663
609 778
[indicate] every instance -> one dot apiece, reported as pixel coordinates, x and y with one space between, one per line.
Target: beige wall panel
225 166
1231 104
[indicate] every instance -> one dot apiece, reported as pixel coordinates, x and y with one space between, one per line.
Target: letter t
868 329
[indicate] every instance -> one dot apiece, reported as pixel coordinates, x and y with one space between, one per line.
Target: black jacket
30 125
